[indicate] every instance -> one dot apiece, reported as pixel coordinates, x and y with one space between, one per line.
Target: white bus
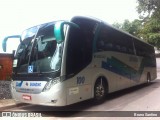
65 62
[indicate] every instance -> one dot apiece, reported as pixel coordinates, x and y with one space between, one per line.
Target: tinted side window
79 53
110 39
143 49
80 43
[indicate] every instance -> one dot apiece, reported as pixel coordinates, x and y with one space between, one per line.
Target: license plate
26 97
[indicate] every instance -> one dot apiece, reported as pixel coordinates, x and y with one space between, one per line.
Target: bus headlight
50 83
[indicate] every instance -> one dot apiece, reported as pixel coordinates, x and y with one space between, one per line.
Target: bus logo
19 84
80 80
35 84
26 83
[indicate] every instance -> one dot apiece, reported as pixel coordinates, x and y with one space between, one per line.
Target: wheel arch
104 78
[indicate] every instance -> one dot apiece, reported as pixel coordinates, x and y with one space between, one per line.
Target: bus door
79 56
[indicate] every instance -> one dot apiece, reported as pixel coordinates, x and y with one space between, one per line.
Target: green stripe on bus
119 67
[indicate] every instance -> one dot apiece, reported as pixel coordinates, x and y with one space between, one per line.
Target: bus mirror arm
59 30
4 42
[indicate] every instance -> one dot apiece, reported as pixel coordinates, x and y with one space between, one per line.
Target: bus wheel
100 90
148 78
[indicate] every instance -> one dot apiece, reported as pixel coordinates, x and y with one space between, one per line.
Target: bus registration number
26 97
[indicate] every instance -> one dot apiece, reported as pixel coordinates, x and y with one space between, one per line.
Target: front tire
100 91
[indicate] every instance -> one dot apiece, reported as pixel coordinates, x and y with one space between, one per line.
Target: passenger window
108 46
123 49
118 48
100 45
110 39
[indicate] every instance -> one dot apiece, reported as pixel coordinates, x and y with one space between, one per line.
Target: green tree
148 27
149 11
117 25
151 31
130 27
146 8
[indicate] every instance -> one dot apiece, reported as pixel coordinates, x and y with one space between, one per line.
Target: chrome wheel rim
99 92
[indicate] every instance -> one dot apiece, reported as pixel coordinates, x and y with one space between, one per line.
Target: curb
12 106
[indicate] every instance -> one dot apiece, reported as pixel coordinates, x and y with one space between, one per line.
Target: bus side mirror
4 42
59 30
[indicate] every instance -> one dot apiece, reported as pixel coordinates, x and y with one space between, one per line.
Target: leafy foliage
130 27
148 27
151 23
147 7
151 31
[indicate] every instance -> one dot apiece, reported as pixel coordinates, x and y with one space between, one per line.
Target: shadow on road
81 107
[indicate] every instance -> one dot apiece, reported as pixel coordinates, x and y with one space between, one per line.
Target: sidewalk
6 101
8 104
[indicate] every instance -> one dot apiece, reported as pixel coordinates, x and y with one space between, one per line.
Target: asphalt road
140 98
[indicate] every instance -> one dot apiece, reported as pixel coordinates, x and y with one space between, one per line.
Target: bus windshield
39 51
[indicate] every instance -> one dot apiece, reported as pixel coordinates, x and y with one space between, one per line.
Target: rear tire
100 91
